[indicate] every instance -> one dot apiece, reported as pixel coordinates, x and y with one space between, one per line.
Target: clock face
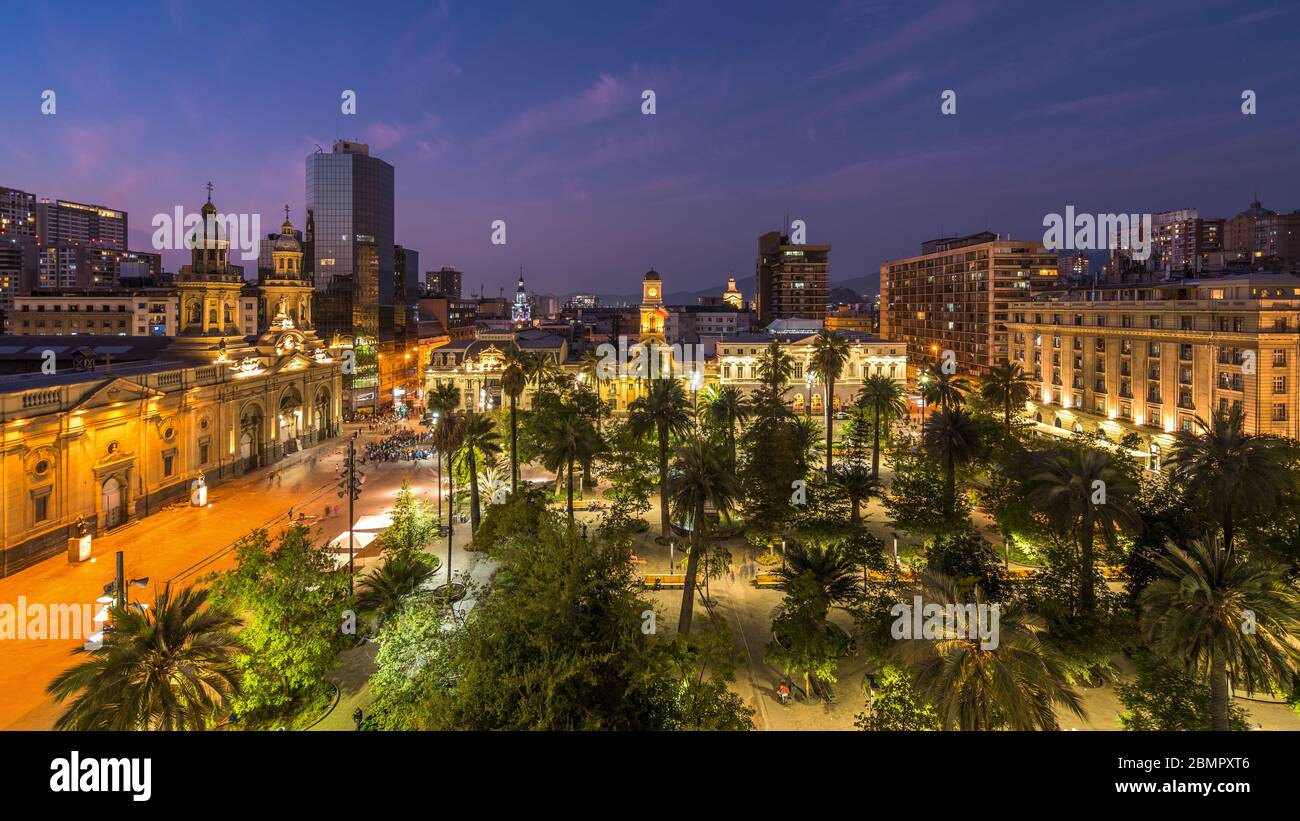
653 292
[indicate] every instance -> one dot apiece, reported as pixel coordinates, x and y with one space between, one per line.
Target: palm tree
666 411
886 400
832 568
513 381
1226 618
830 352
567 437
939 386
975 684
953 437
1231 472
444 399
1007 386
1081 489
858 484
539 367
775 367
725 406
447 437
479 437
383 590
701 480
166 667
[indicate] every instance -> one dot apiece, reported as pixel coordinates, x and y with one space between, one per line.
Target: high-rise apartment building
443 282
1148 359
17 214
63 221
1259 233
793 279
956 295
406 272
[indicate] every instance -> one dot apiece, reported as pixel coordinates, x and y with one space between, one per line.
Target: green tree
1230 472
856 482
292 602
830 353
895 707
1224 618
700 480
170 666
1162 697
567 438
665 411
413 526
775 367
1083 491
973 685
884 398
479 439
802 644
514 379
947 390
953 437
558 645
833 569
1008 387
384 589
725 407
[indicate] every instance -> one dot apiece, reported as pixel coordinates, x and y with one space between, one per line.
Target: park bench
665 581
768 580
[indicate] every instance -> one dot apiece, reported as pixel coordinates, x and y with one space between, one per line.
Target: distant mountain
866 286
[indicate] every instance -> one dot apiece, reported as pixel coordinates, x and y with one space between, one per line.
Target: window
40 505
1185 352
1279 412
1100 345
204 452
1185 398
1279 384
1154 321
169 463
1153 349
1186 323
1279 357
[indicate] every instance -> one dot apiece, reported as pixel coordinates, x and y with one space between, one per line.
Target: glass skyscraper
350 200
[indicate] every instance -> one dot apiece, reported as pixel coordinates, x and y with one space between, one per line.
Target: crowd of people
404 445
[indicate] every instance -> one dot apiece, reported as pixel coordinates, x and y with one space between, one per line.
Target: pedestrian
279 478
290 514
358 717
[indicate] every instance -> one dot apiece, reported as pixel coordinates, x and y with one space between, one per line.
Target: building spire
209 190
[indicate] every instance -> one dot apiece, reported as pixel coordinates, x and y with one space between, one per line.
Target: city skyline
477 133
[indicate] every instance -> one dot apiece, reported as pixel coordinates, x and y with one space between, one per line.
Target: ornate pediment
115 390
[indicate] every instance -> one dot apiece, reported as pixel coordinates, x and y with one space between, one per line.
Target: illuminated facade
1150 359
100 445
956 295
737 364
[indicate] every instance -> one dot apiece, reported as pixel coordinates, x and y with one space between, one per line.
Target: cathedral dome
652 274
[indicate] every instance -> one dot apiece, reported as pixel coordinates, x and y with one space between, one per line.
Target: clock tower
654 318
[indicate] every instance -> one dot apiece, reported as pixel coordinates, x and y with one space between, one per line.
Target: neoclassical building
626 369
122 431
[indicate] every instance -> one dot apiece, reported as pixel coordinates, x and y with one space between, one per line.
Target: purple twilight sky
531 113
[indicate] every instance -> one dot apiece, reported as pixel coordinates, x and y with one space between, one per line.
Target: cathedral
133 425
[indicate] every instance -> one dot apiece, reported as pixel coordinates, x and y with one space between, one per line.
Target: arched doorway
816 403
798 403
112 500
250 437
320 414
289 421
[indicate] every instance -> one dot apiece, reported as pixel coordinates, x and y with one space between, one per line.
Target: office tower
793 280
350 201
444 282
406 270
954 296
